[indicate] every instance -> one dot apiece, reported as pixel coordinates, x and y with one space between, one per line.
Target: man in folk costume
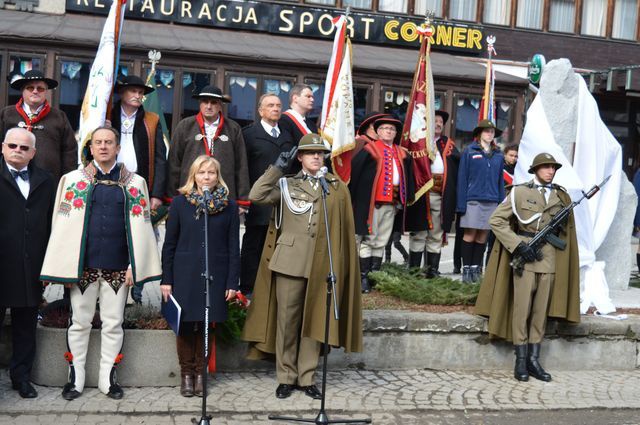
287 315
101 240
294 120
57 147
366 132
518 306
265 141
378 191
430 218
210 133
26 193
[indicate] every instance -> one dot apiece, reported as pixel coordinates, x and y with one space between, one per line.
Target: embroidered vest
384 185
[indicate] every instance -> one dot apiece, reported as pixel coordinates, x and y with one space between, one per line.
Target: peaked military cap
312 142
543 159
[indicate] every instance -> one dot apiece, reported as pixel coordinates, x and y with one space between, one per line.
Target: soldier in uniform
287 314
518 306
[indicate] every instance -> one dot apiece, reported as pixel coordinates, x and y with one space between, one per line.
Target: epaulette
558 187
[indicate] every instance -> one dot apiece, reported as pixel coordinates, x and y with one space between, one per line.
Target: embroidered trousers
83 307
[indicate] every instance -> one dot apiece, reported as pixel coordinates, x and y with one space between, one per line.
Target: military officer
549 284
287 314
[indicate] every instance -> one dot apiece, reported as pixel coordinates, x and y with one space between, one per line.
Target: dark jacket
417 213
636 185
25 225
155 176
479 176
286 124
229 150
183 258
55 140
262 151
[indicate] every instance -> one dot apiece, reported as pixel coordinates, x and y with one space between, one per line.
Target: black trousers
23 339
252 243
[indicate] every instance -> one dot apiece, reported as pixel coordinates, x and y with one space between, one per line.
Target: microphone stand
322 418
205 419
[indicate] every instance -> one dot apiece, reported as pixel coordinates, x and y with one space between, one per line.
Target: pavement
387 397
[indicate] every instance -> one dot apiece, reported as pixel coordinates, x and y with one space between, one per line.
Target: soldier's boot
520 371
365 268
466 274
415 258
533 366
433 264
376 263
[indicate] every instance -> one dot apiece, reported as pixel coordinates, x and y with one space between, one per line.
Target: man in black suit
294 120
27 195
264 141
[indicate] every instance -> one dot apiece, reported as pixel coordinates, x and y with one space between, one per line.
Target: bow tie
24 174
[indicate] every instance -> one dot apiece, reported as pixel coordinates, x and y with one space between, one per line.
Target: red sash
303 129
39 117
200 120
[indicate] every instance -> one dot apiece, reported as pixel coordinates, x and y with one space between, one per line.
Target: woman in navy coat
183 263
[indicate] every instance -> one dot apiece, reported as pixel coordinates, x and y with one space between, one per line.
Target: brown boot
199 387
186 386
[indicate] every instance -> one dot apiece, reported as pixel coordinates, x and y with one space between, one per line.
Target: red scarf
200 120
39 117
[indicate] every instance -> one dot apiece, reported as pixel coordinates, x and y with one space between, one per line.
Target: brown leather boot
199 386
186 386
201 366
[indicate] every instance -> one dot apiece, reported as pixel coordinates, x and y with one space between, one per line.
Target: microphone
323 181
206 193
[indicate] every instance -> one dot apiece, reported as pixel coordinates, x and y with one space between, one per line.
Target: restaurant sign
297 21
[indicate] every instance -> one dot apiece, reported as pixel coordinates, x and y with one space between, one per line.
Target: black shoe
25 389
533 366
520 370
69 392
456 270
284 390
311 391
365 268
115 392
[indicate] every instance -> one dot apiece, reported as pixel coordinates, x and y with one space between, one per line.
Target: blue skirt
477 215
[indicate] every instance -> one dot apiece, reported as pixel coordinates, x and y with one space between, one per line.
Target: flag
151 103
487 106
337 125
418 131
97 98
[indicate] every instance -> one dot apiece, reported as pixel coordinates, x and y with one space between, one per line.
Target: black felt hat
370 119
125 81
212 92
443 114
33 75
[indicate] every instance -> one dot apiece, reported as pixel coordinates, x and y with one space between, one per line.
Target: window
325 2
594 17
358 4
74 77
396 102
466 114
280 88
192 83
625 16
529 14
561 15
464 10
497 12
243 90
504 119
424 6
360 96
399 6
18 65
318 96
165 86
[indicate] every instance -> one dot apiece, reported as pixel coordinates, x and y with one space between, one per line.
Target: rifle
549 233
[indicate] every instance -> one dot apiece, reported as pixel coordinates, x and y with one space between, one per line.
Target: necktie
543 190
24 174
274 132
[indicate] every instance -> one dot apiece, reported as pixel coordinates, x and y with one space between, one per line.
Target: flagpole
487 82
116 54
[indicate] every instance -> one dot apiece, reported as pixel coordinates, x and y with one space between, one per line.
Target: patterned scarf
218 202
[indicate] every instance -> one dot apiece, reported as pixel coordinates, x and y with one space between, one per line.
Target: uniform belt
527 234
438 181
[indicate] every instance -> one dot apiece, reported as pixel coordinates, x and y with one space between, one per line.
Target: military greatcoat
299 248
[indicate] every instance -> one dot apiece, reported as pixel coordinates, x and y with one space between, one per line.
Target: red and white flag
337 123
418 130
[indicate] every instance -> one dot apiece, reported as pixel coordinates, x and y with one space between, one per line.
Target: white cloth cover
597 154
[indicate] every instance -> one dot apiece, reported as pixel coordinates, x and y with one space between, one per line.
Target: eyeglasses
12 146
388 129
38 89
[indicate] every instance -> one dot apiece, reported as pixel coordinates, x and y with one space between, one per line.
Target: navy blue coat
479 176
183 258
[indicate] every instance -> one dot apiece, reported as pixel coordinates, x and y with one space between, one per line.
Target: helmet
543 159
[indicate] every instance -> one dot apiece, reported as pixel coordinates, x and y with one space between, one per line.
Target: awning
224 44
